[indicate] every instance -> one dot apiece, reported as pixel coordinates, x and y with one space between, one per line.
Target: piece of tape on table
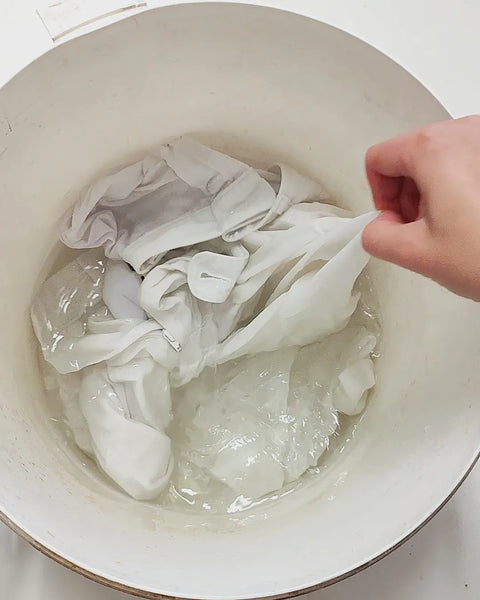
62 17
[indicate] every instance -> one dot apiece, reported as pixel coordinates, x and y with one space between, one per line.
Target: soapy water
250 431
253 427
254 430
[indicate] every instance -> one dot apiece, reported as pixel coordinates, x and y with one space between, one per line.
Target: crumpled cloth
208 260
185 195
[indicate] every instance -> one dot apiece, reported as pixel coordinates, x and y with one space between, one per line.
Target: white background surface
437 41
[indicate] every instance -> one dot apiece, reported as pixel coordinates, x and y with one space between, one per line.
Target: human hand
427 185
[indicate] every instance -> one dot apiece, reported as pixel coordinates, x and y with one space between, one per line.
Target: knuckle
430 141
428 138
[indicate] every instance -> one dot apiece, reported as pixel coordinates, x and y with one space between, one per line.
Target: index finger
387 164
392 158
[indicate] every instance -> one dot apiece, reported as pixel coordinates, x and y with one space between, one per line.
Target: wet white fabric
121 288
260 422
235 261
186 192
118 412
135 455
273 293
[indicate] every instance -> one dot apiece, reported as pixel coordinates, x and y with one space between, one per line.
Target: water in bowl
239 412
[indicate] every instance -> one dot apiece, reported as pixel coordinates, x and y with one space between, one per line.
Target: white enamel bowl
267 85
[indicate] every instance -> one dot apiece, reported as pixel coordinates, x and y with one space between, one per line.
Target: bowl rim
149 595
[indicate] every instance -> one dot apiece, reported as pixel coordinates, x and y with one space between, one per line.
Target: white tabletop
438 42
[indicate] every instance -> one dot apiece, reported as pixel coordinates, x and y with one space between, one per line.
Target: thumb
405 244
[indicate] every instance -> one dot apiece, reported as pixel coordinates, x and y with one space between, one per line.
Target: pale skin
427 185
